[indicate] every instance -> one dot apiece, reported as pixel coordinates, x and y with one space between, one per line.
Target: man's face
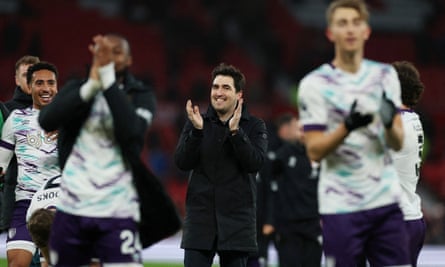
43 88
121 57
20 78
292 131
299 129
223 95
348 30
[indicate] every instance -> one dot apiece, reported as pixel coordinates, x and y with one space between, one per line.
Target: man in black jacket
295 212
105 189
22 94
223 149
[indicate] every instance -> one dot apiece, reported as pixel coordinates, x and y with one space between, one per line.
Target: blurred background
176 44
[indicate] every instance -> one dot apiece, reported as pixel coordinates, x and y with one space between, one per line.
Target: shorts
416 236
379 234
18 234
75 240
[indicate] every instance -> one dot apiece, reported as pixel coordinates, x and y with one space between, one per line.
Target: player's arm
394 135
319 143
7 144
67 105
388 111
131 114
392 121
5 157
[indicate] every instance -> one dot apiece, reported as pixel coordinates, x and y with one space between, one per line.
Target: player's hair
412 86
39 226
358 5
26 60
284 119
123 40
43 65
224 69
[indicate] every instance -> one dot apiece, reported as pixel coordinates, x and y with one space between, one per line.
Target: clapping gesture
234 121
102 54
194 115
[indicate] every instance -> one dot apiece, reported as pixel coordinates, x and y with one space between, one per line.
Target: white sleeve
7 143
107 75
89 89
311 104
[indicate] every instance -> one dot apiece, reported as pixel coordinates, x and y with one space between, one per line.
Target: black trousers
301 247
204 258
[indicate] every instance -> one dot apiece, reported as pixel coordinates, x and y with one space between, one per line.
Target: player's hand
355 119
268 229
52 135
234 121
101 49
194 115
387 111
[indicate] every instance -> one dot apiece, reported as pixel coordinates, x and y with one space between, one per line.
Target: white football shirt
96 180
407 162
37 156
359 174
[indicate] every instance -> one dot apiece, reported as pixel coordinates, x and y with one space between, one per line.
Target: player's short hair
412 86
26 60
43 65
39 226
284 119
358 5
123 40
224 69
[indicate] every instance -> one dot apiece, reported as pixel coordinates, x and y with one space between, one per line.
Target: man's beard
120 75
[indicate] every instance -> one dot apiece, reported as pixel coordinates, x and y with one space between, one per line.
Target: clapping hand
355 119
194 115
102 54
234 121
52 135
387 111
101 50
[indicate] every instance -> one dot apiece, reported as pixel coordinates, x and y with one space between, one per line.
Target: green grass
3 262
163 265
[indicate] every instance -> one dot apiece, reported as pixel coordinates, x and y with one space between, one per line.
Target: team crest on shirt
12 232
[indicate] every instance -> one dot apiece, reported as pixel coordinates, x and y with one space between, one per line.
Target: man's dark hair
284 119
122 39
239 80
43 65
412 86
39 226
27 60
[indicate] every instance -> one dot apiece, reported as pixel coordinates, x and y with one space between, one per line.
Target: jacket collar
212 115
21 97
130 82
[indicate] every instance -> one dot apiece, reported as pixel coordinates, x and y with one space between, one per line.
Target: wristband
107 75
89 89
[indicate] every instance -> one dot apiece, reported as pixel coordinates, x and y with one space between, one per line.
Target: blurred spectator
12 36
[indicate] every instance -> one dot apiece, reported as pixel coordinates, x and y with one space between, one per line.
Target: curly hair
412 86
